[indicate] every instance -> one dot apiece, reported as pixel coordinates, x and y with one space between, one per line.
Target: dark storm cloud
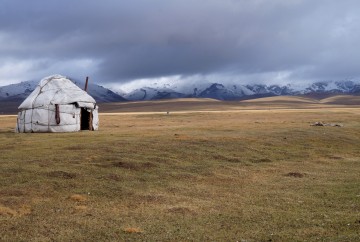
118 40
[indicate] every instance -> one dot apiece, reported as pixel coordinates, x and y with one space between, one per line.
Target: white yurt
57 105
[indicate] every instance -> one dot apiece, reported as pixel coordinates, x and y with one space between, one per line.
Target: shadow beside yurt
57 105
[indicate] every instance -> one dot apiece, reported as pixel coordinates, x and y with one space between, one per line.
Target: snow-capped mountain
100 93
225 92
220 91
19 91
334 87
148 93
237 92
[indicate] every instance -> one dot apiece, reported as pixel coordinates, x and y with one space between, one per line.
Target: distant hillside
342 100
207 104
282 99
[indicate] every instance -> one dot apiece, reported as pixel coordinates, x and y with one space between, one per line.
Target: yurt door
86 120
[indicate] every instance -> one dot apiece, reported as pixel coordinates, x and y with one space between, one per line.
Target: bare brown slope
301 101
342 100
167 105
282 99
280 102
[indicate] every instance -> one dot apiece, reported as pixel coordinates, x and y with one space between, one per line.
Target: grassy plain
244 175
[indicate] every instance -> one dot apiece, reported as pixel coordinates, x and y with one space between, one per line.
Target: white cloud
13 71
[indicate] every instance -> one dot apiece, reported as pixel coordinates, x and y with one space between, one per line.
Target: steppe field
188 170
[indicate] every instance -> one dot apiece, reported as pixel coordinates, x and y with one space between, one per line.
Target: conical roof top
55 89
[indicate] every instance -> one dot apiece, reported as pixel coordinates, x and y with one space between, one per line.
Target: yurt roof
56 89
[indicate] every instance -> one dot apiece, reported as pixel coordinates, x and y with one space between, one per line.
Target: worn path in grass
253 176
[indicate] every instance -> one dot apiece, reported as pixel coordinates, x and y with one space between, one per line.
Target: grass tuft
78 198
5 211
132 230
21 211
62 174
295 174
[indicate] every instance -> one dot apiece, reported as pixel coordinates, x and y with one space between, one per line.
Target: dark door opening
85 119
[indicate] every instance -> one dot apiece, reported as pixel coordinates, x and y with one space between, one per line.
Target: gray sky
119 41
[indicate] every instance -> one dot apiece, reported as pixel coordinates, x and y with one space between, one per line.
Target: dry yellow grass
78 198
21 211
252 175
81 208
5 211
132 230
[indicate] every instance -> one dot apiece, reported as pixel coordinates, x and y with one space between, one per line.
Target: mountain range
240 92
19 91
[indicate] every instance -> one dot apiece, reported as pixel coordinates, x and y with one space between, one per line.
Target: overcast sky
122 41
